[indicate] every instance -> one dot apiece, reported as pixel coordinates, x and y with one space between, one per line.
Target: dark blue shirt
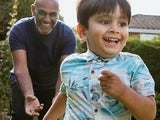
43 51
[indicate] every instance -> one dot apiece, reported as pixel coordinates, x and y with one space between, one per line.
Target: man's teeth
46 25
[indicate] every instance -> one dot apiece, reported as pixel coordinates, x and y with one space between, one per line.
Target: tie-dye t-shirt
85 98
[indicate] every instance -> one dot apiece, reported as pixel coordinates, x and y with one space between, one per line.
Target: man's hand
32 105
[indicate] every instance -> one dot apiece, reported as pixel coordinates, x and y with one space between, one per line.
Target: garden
11 11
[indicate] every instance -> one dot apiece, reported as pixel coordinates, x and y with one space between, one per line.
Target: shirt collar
90 56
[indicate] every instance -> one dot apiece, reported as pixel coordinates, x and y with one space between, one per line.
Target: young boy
104 83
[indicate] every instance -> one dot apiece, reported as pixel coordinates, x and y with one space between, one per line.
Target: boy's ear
81 32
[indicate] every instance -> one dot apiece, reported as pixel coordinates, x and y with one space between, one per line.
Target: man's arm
24 82
59 78
21 72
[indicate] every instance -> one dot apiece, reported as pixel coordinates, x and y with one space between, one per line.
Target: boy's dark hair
87 8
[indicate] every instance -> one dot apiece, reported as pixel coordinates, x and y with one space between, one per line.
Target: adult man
38 44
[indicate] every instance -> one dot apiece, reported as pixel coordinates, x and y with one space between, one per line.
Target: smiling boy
104 83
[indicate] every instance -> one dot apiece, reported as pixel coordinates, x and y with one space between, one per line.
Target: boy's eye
123 24
105 21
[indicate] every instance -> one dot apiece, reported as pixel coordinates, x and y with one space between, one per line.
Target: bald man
38 45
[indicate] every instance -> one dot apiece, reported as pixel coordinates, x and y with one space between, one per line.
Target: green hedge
5 66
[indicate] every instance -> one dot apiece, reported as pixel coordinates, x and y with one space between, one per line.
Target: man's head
46 13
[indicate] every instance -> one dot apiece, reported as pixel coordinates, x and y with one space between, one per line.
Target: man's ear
33 9
81 32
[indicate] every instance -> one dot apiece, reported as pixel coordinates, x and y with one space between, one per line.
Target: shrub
5 66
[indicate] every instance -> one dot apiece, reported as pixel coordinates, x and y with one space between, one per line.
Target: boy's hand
32 105
111 84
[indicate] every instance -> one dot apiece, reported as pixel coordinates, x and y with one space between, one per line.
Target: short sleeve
63 88
142 81
69 41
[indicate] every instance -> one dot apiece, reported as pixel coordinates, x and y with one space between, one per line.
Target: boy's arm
142 107
57 108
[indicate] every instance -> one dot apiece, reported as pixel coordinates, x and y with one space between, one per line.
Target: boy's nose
114 29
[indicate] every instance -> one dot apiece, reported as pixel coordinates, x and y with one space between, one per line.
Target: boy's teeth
112 39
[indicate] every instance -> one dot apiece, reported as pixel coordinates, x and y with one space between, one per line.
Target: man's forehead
51 5
37 1
47 10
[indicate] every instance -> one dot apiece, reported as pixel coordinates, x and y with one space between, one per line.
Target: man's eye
54 14
42 13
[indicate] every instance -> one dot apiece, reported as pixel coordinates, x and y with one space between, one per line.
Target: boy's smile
111 41
109 33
